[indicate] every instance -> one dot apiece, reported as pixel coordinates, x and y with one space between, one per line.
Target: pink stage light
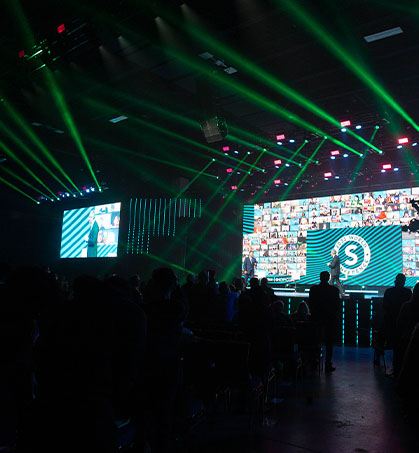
21 53
345 123
229 170
328 174
226 148
336 152
403 140
277 181
61 28
233 187
280 137
387 166
278 162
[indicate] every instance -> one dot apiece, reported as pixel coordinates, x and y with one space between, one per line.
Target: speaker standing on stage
249 266
335 272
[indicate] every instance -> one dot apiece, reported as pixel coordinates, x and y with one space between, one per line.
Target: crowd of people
75 359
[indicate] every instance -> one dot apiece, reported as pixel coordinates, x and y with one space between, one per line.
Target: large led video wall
91 232
292 239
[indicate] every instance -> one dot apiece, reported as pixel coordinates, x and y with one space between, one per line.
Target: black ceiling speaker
214 129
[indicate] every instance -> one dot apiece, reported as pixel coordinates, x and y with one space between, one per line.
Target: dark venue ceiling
141 59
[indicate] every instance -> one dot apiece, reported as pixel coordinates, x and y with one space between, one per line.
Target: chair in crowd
308 339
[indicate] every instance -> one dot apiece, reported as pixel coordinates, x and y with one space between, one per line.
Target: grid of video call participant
279 241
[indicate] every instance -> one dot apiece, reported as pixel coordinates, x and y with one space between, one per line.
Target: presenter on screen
335 272
91 238
249 266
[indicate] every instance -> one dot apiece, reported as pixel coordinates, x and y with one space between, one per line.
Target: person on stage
249 266
91 238
335 272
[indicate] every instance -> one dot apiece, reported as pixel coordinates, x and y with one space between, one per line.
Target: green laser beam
4 181
316 29
23 181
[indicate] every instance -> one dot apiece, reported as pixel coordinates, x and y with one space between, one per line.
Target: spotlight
236 152
278 162
61 28
229 170
343 129
280 137
285 184
414 144
226 148
333 157
326 179
277 181
92 189
346 155
233 187
292 140
87 190
276 166
336 152
279 143
238 173
383 171
336 177
328 174
387 166
287 165
226 154
345 123
21 54
377 126
358 126
399 146
403 140
396 169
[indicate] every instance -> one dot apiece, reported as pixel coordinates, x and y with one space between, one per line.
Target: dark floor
352 410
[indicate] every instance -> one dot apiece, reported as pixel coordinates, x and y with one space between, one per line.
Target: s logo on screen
357 254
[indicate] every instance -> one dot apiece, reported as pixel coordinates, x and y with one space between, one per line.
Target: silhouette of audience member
200 299
128 346
166 312
188 286
280 319
255 320
267 289
408 378
135 282
406 322
212 283
324 303
302 314
393 300
223 309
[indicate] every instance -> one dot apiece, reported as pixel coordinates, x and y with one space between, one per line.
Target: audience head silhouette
400 280
254 282
324 277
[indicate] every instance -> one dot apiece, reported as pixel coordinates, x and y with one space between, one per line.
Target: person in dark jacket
324 303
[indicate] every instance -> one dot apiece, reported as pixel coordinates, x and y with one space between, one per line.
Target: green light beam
224 205
257 99
275 176
68 119
317 30
22 124
194 179
169 133
301 172
253 70
18 190
23 181
13 156
32 155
